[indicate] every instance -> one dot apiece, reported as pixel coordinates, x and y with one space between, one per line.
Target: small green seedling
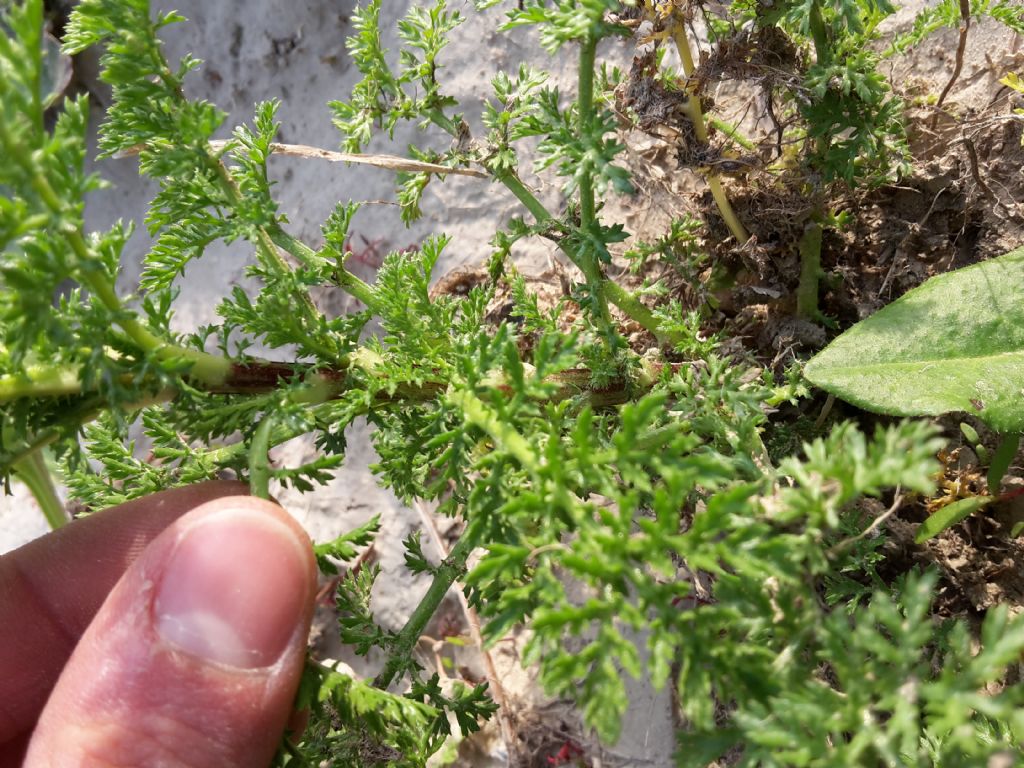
980 449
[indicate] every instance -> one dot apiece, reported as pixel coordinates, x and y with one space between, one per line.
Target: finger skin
51 588
128 697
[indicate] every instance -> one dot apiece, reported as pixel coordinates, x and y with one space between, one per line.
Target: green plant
571 459
1012 80
952 344
821 60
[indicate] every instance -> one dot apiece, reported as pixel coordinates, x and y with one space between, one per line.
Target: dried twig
877 523
389 162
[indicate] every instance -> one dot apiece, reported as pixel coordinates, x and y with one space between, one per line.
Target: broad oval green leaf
950 515
955 343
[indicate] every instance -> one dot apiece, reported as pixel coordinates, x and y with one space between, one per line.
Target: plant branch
450 569
819 35
609 289
958 65
341 276
497 690
480 415
260 377
587 259
733 132
203 366
694 113
259 458
264 245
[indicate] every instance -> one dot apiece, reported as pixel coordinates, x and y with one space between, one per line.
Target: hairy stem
527 198
585 115
733 132
450 569
259 458
819 35
810 272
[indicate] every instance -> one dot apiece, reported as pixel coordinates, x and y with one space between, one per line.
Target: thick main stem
587 259
810 272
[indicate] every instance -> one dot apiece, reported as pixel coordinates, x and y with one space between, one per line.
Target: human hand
168 631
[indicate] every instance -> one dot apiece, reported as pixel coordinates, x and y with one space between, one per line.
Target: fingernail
234 589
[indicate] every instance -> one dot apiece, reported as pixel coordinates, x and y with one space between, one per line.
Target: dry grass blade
390 162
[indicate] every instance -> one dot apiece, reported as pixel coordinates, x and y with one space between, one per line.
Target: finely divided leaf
955 343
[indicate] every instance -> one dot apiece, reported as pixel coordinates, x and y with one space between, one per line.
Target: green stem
442 121
207 368
629 304
816 25
40 381
587 259
585 116
33 472
527 198
204 367
342 277
733 132
317 390
259 458
450 569
696 116
810 272
636 310
81 413
264 245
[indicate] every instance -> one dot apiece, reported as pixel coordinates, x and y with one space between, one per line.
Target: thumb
195 657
